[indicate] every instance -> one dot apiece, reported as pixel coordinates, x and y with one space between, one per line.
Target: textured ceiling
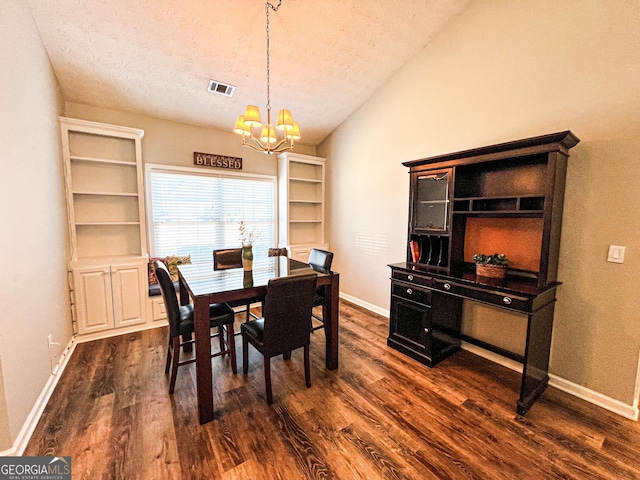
156 57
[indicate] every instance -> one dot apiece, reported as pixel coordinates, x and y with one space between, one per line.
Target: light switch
616 254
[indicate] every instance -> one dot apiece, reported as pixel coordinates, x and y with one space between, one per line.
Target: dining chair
181 325
285 325
228 258
319 260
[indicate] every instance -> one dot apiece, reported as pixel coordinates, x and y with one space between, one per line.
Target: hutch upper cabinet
106 215
504 198
301 204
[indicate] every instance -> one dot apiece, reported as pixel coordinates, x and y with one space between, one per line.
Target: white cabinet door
158 311
128 303
110 296
93 299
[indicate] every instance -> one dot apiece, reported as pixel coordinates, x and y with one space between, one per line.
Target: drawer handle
410 277
409 291
506 300
447 286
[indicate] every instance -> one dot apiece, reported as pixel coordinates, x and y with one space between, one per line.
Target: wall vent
221 88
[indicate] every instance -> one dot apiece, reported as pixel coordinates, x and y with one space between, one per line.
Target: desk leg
204 383
330 314
536 358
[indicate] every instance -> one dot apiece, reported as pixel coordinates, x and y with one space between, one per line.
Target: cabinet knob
447 286
426 330
506 300
409 291
410 277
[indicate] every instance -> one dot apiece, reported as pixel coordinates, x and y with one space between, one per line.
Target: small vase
247 258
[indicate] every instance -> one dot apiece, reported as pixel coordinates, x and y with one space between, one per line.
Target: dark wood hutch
504 198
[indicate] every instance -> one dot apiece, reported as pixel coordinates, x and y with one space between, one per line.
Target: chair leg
221 338
174 364
166 368
267 379
307 368
232 348
245 355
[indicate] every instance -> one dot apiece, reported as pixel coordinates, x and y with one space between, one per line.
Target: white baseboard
20 444
591 396
369 306
625 410
89 337
494 357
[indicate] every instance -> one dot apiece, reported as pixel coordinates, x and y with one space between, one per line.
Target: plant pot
491 271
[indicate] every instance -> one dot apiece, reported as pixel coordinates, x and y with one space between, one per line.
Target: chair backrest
287 313
169 296
320 259
227 258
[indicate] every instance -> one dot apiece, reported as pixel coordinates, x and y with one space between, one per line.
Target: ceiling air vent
221 88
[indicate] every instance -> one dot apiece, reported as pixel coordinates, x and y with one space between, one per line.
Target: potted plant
493 266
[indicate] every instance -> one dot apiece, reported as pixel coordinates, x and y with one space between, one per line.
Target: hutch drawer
412 278
411 292
509 301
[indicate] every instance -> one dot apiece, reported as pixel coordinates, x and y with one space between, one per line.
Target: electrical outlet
616 254
54 353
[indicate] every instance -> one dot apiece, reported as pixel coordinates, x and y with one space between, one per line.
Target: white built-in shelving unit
301 192
107 229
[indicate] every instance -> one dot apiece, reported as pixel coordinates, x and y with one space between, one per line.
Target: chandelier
249 124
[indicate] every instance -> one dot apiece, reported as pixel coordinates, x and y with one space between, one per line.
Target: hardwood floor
380 415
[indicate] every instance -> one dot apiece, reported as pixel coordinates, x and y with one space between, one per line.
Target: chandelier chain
268 79
275 9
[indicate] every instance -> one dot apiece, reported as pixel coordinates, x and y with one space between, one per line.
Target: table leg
330 314
204 383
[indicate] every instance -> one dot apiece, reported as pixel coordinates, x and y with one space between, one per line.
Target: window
194 213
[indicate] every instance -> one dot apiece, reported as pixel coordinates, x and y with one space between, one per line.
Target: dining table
202 285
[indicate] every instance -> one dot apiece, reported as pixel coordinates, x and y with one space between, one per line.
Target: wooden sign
217 161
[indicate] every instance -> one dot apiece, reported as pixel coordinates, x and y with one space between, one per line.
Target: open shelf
301 200
106 146
102 160
104 189
504 204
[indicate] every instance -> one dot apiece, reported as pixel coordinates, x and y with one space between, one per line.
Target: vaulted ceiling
156 57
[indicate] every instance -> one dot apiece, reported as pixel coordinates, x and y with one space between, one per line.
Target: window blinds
193 214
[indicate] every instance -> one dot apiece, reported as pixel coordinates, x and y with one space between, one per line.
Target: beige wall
33 242
502 71
173 143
